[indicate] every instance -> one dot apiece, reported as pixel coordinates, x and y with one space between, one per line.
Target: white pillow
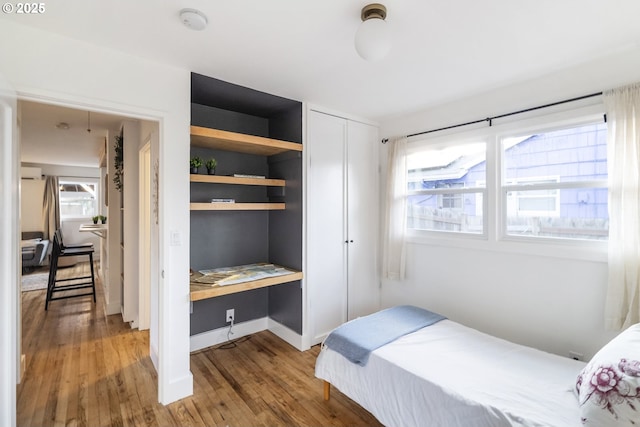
609 386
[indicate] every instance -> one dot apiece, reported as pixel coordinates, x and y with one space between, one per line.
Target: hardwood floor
87 369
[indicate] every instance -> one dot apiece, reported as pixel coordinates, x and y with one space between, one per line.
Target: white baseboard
219 336
23 367
288 335
318 339
177 390
153 353
111 307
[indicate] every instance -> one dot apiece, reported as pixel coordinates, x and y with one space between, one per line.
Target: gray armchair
34 250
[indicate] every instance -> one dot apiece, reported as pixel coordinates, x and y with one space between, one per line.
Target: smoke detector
194 19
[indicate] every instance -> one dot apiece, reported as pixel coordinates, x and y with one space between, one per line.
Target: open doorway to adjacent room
71 153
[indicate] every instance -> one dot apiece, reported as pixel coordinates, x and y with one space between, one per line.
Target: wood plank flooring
88 369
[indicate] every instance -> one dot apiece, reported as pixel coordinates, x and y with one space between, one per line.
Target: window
78 197
446 188
548 182
555 183
536 202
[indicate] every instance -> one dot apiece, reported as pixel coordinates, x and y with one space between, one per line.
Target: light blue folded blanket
356 339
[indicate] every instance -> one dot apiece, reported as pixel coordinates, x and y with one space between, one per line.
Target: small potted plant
211 166
195 163
95 219
103 219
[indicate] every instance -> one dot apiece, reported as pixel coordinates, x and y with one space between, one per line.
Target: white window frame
494 237
443 143
522 186
81 180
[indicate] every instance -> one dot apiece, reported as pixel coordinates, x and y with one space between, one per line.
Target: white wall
555 302
51 68
66 171
552 303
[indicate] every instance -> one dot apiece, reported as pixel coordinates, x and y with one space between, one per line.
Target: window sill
595 251
76 218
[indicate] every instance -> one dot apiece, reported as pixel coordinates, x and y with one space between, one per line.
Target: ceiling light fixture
194 19
373 40
89 121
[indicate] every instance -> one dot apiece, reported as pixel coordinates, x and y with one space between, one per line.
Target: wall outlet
576 356
231 315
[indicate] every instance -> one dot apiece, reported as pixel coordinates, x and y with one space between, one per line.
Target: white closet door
362 215
326 248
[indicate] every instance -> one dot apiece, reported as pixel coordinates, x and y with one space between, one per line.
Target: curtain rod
500 116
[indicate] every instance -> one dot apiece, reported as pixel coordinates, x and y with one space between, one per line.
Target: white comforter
449 375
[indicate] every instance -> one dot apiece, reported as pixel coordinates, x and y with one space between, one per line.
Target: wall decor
155 188
118 163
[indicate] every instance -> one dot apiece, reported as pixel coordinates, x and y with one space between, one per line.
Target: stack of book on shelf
244 175
240 273
223 200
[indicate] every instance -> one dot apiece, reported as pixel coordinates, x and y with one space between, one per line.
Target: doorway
73 143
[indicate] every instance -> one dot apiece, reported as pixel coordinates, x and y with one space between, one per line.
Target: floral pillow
608 387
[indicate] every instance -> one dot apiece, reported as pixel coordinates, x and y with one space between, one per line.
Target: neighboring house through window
445 187
549 184
555 183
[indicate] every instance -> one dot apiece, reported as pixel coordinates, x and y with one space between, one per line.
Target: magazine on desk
240 273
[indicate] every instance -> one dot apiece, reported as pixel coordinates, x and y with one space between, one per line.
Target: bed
450 375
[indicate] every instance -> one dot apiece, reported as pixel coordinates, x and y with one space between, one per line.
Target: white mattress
449 375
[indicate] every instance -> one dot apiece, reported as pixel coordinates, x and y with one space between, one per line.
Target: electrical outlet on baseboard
231 315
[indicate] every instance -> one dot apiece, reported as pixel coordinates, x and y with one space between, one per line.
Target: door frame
10 320
94 105
144 235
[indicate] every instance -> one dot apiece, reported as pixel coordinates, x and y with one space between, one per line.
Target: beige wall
31 195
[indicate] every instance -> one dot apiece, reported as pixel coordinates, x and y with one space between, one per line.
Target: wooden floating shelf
238 142
219 179
237 206
201 291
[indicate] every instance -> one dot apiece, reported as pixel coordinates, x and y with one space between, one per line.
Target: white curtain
623 293
393 249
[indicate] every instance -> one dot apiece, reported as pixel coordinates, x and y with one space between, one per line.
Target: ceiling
42 142
442 50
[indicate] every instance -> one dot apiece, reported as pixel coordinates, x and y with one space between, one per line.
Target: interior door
10 319
362 219
326 248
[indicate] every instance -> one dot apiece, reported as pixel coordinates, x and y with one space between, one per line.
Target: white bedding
449 375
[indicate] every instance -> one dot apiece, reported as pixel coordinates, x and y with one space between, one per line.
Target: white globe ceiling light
373 40
193 19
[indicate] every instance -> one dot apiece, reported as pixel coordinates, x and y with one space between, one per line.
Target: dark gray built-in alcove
227 238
